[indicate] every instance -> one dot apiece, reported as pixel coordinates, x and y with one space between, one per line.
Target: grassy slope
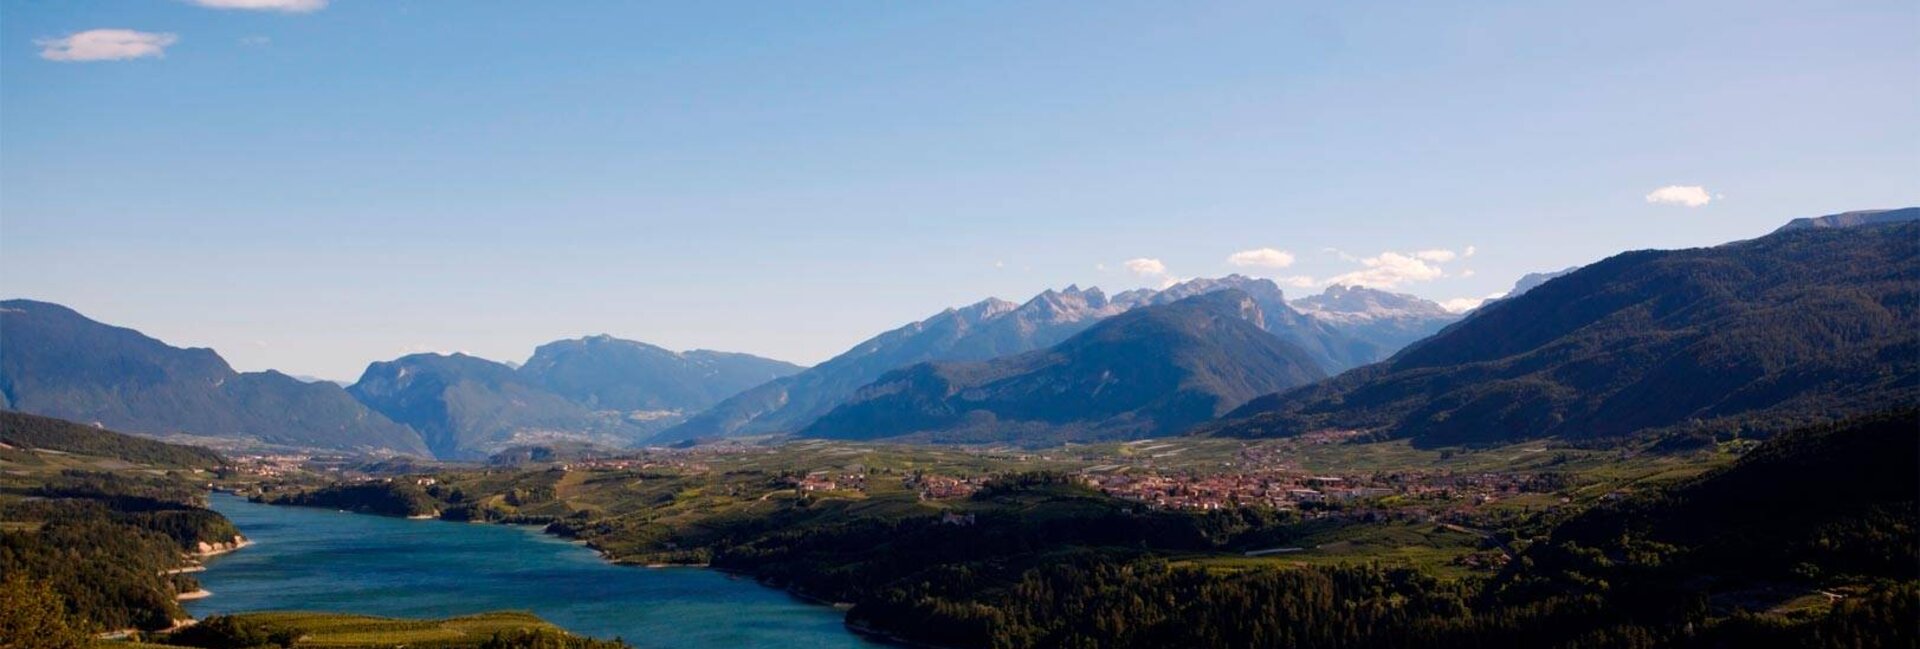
341 630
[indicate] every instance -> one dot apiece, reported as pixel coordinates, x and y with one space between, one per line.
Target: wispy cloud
1687 195
256 41
106 45
1149 268
1391 269
1146 267
1297 281
1261 258
289 6
1436 255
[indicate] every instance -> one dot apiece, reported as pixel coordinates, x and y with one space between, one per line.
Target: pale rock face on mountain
1389 321
1350 304
1333 349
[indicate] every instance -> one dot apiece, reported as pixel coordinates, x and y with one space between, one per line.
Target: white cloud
289 6
1436 255
1467 273
1145 267
1688 195
1390 269
1465 304
256 41
1261 258
1470 251
1297 281
1148 268
106 45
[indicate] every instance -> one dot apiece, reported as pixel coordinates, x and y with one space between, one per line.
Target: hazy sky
320 185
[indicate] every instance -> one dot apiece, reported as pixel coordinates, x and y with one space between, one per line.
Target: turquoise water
323 560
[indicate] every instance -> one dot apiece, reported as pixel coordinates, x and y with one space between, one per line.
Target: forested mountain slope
1795 327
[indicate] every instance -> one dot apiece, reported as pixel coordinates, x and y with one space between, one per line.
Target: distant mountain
467 407
58 363
994 328
1333 349
983 330
603 372
1853 219
308 378
1152 370
1799 326
1387 321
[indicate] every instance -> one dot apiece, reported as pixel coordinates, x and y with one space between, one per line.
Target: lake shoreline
583 608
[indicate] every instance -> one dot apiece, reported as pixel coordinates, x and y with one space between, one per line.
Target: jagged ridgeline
1804 325
1152 370
1343 329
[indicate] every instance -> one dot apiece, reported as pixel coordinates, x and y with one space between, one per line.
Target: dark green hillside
1830 502
1796 327
105 542
58 363
388 498
27 432
1825 517
1153 370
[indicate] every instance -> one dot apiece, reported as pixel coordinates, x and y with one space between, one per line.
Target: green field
338 630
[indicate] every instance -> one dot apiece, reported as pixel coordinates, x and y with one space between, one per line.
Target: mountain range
993 328
597 389
1153 370
1815 321
58 363
1804 325
1385 321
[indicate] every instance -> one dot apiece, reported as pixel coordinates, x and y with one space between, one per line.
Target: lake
323 560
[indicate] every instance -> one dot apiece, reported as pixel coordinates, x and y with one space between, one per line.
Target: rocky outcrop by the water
205 549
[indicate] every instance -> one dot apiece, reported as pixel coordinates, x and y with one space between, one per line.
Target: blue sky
313 190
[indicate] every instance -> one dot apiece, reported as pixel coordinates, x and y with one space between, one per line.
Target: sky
313 185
